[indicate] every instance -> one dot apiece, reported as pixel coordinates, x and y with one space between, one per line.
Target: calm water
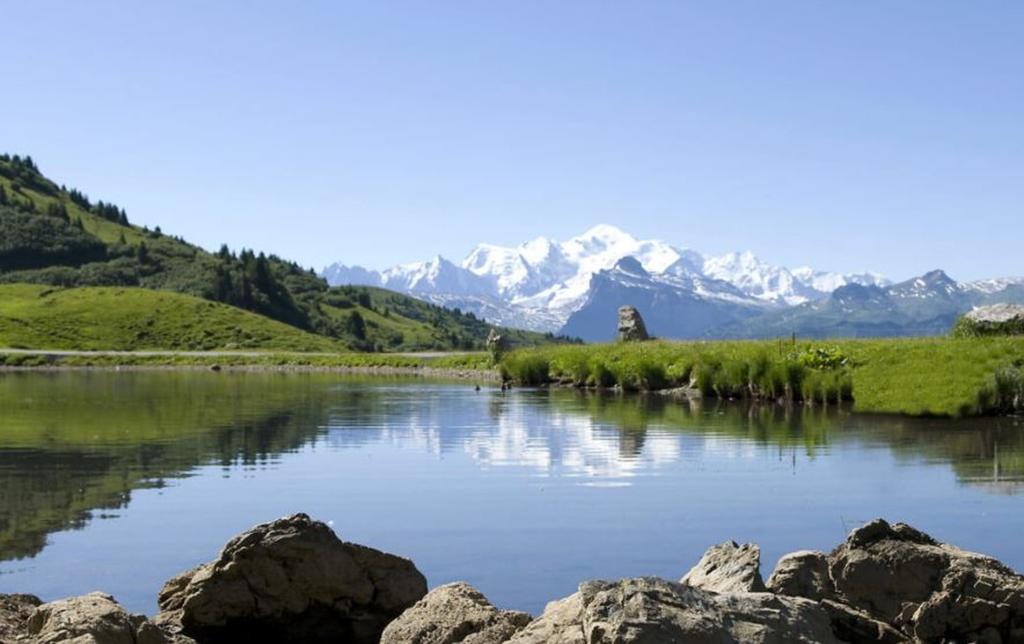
117 481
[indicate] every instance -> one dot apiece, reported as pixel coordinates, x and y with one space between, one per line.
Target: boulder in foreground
929 590
91 619
648 610
728 568
454 613
14 613
291 580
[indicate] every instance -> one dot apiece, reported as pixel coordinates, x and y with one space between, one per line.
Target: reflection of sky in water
525 494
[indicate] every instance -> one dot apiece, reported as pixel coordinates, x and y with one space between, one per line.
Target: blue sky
861 135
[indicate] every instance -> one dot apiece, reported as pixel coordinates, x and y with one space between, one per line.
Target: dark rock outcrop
631 326
802 574
291 580
454 613
14 613
929 590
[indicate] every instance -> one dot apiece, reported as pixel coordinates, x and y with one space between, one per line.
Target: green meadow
917 376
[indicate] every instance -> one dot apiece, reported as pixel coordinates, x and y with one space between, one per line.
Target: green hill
54 236
130 319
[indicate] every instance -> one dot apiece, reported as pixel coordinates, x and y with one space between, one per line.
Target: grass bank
915 376
452 363
131 319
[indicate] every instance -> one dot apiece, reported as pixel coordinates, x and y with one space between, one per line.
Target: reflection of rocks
293 580
452 614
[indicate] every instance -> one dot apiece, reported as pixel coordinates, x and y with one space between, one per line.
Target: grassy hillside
128 319
918 376
55 236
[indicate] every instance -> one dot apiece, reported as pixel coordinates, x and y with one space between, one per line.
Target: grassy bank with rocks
916 376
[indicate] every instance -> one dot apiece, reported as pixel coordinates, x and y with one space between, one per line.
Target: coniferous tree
356 325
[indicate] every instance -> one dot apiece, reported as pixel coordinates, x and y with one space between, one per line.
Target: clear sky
845 135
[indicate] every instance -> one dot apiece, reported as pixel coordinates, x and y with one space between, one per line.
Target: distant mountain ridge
541 284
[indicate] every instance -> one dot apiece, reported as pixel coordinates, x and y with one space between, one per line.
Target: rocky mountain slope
542 284
575 286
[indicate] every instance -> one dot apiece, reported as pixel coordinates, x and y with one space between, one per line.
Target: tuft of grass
915 376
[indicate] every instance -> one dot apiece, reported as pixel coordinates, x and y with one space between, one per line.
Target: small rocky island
294 580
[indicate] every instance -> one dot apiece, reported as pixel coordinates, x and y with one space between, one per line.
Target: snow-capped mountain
779 284
541 283
925 305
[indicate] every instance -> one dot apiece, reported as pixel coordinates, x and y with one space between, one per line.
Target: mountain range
574 288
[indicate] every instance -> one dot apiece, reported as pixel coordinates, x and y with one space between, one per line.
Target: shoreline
450 373
811 596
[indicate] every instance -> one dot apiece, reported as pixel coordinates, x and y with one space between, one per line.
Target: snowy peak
437 275
631 266
932 284
543 281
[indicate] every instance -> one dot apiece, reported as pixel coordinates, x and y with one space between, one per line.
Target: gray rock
631 326
852 625
997 314
802 574
653 611
14 613
728 568
496 344
933 591
454 613
291 580
91 619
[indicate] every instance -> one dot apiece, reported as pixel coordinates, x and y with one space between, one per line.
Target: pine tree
356 325
142 253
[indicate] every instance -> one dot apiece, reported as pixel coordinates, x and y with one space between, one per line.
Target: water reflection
74 446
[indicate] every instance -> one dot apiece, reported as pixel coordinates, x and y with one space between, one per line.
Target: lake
119 480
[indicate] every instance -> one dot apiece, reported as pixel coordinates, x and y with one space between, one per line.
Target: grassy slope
410 324
95 318
918 376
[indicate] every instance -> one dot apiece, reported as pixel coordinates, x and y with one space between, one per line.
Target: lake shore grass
935 376
474 366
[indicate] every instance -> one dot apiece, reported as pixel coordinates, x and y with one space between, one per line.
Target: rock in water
728 568
91 619
631 325
454 613
648 611
292 580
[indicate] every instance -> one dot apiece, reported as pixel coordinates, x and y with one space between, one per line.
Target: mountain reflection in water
80 446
